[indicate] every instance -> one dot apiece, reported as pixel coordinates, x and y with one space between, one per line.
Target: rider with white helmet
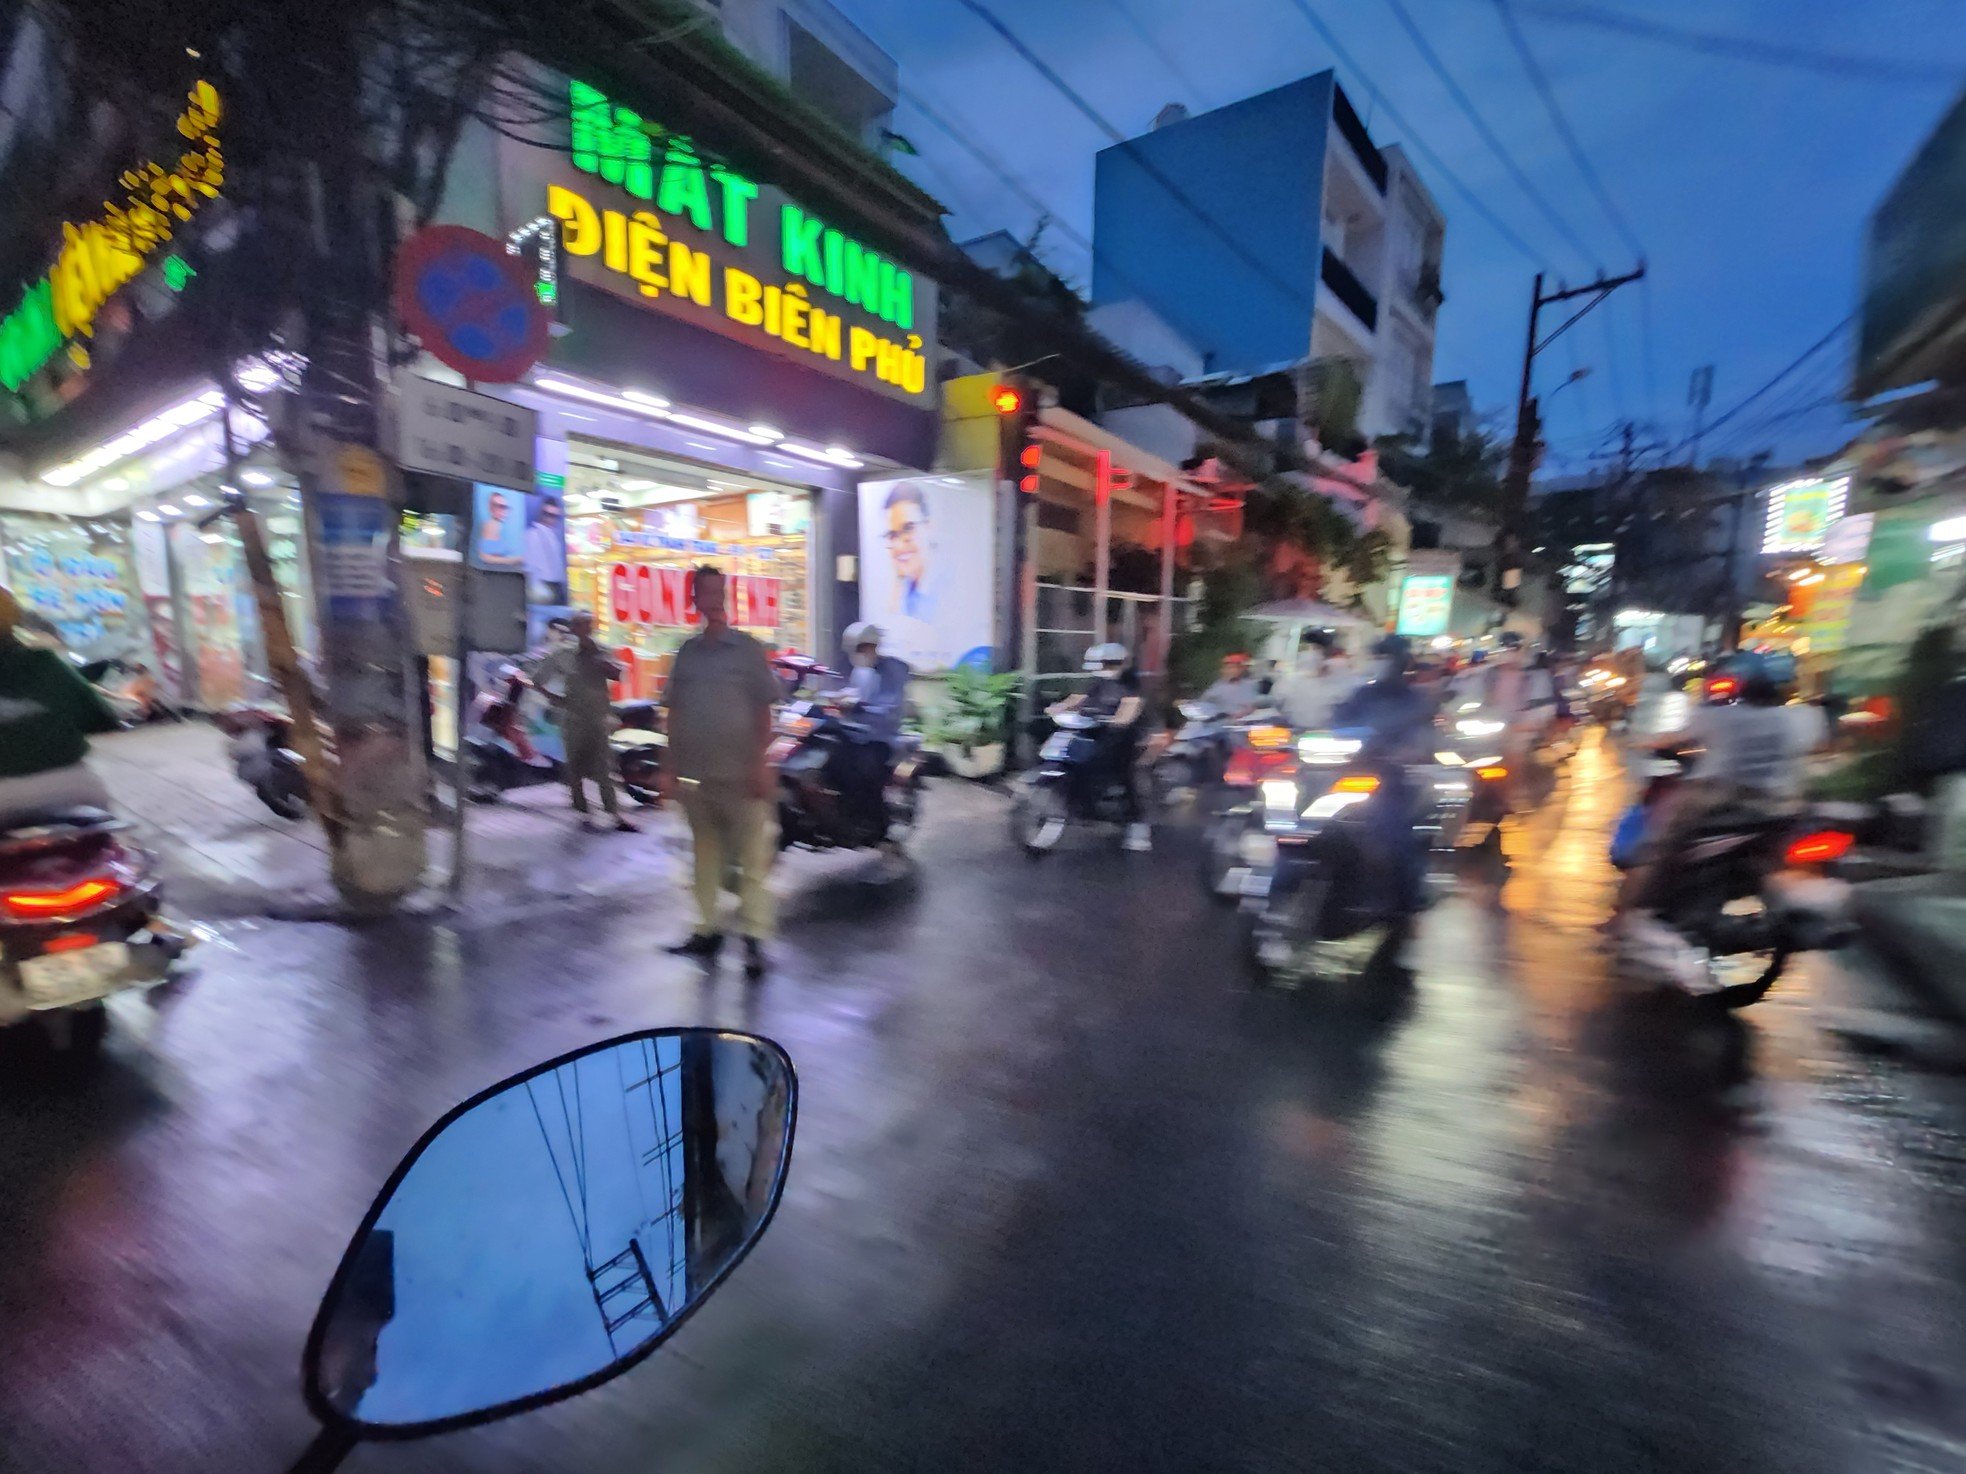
1114 694
878 686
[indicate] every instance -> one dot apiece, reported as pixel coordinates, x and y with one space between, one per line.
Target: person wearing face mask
1237 693
1320 682
877 689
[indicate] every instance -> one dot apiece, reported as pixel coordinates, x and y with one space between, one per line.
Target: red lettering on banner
644 594
624 688
621 594
768 616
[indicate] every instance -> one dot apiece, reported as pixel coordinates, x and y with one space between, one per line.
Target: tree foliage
1454 472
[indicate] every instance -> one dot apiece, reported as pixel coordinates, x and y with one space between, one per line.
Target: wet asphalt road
1067 1193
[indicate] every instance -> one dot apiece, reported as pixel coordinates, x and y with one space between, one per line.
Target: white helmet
1101 656
861 632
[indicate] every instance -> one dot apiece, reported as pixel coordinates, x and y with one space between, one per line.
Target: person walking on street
576 678
720 698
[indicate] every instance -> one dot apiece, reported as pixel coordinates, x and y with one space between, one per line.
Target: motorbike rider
1751 756
1237 693
47 714
1398 719
1113 695
1318 685
877 690
1515 691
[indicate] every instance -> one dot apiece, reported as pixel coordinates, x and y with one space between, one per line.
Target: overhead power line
1745 48
1153 44
1412 138
1797 362
1290 290
1540 79
1495 144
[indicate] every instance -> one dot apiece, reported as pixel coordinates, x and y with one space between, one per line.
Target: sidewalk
226 855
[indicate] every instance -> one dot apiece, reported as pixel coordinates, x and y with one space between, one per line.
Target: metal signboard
457 432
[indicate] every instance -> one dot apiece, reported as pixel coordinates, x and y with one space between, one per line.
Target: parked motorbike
79 923
504 747
811 745
480 1285
258 740
1069 786
1321 884
1744 893
639 746
131 691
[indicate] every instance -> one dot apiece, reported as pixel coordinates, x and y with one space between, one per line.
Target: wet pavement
1067 1193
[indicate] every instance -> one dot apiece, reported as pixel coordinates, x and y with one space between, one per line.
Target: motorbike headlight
1322 747
1448 759
1477 727
1280 795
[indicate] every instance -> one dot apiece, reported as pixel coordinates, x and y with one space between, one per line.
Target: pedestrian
721 698
576 677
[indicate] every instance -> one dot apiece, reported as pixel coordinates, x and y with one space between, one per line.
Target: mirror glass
556 1228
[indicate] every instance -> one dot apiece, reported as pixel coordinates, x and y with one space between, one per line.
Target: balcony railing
1348 289
1349 124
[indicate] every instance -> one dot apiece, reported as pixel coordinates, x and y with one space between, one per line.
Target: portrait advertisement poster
546 550
928 568
498 527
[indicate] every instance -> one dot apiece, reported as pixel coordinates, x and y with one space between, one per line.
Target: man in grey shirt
720 698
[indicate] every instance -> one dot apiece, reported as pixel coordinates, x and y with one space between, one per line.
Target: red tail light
70 941
80 896
1248 766
1723 688
1821 847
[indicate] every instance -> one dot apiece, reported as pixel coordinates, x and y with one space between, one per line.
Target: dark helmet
1394 648
1511 640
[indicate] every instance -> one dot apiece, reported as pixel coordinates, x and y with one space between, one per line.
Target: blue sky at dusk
1748 183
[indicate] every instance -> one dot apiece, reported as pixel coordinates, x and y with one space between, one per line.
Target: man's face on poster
907 539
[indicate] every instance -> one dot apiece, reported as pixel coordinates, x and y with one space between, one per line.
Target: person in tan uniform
721 696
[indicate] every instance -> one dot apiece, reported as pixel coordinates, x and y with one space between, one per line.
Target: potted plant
969 724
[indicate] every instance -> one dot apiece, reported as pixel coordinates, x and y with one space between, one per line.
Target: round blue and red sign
471 302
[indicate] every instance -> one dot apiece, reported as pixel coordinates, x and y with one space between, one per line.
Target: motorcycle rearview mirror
548 1234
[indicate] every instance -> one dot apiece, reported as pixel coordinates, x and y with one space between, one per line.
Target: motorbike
499 738
638 745
79 923
811 744
1746 891
258 741
1260 747
480 1285
130 690
1320 877
1066 787
1193 758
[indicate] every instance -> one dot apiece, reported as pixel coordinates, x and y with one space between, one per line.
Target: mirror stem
325 1453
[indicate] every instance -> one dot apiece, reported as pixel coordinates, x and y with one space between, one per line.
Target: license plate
1057 748
74 977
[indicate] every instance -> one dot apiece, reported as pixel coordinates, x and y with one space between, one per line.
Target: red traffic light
1006 399
1032 456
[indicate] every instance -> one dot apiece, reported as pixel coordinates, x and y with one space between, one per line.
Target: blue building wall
1256 168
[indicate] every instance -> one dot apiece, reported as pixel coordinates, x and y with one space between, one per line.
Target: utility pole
1699 394
1512 541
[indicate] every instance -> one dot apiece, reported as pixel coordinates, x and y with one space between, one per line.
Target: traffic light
1019 455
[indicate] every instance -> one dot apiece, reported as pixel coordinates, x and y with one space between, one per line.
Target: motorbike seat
74 816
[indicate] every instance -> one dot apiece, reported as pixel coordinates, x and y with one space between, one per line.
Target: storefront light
168 510
178 417
711 427
257 478
195 500
147 515
833 455
767 433
642 397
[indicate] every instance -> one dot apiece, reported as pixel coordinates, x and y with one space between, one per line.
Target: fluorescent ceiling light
147 515
713 428
646 405
832 455
159 427
194 500
168 510
1952 530
766 432
642 397
116 483
257 478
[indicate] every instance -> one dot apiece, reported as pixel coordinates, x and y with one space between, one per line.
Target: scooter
812 740
505 747
481 1284
79 923
258 742
1260 747
1746 891
639 746
1322 884
1067 787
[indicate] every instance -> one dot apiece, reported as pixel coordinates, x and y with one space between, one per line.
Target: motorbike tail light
37 904
1269 738
1820 847
1723 688
69 941
1356 783
1493 775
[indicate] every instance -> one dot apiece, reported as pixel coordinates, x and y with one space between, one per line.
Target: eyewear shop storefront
729 370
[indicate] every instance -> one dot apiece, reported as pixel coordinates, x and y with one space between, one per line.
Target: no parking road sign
471 302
